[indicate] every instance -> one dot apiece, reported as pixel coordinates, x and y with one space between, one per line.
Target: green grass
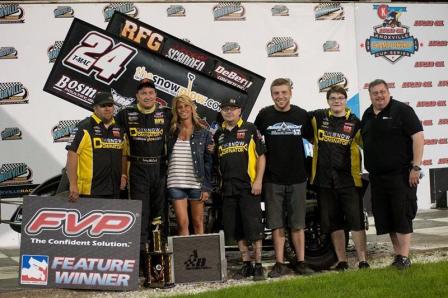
421 280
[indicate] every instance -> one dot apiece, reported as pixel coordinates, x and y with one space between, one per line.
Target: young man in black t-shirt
283 126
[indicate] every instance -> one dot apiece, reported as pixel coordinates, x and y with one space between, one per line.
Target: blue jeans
191 194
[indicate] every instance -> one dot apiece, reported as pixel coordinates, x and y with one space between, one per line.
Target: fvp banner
90 244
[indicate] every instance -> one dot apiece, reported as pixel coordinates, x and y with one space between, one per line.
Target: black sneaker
302 268
403 263
259 272
396 260
363 265
278 270
341 266
245 271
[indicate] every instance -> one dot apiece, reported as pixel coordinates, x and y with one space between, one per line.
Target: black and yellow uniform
336 154
336 169
146 135
99 152
237 151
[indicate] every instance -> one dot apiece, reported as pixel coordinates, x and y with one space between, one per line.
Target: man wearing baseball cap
240 152
94 158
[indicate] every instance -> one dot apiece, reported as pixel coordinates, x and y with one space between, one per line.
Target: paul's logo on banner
229 11
62 131
63 12
328 11
13 92
11 13
11 133
391 40
127 8
8 53
330 79
282 47
34 270
53 51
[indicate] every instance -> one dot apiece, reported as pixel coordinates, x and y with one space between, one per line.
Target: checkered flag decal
332 76
67 123
5 86
11 166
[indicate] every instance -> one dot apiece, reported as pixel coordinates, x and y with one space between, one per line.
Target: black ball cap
145 83
102 98
231 102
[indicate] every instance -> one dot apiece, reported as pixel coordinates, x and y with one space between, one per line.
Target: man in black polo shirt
393 149
240 152
94 157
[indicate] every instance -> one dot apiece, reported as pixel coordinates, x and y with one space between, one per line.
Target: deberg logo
63 12
8 53
13 92
127 8
175 11
11 13
280 10
331 46
329 11
330 79
282 47
53 51
15 173
11 133
62 131
72 223
229 11
232 77
391 40
78 90
231 48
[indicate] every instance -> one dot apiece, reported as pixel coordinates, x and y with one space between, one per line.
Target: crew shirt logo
329 11
63 12
229 11
127 8
8 53
284 129
282 47
12 93
391 40
11 13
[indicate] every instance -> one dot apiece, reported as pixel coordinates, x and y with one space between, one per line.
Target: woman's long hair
175 122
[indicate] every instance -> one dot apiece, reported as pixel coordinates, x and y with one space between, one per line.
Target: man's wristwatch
416 168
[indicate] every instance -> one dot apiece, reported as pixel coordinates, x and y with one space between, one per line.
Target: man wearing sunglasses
94 158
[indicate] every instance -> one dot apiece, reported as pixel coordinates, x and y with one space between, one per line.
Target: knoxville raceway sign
91 244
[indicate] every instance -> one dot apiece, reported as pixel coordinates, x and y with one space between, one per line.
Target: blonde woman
189 165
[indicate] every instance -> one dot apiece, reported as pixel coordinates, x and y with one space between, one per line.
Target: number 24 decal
98 53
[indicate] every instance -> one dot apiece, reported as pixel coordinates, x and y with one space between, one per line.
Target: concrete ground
430 233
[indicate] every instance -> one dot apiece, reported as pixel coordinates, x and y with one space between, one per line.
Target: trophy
158 272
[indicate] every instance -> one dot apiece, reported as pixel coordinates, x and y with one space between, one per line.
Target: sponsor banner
156 41
63 12
391 39
90 244
13 93
11 13
8 53
62 131
229 11
11 133
16 191
15 174
329 11
118 67
127 8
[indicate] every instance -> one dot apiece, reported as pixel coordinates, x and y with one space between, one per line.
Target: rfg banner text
90 244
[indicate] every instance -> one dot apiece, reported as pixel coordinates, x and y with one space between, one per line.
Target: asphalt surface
430 233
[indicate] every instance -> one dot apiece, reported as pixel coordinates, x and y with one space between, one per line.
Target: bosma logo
34 270
124 7
63 12
11 13
282 47
11 133
391 40
53 51
15 173
12 93
8 53
329 11
229 11
62 131
175 11
72 223
330 79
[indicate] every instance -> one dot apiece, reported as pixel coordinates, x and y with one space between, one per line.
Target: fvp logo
34 270
391 40
71 222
